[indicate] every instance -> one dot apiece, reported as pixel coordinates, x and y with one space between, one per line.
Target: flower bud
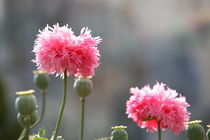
208 132
41 79
195 131
83 87
27 120
26 103
119 133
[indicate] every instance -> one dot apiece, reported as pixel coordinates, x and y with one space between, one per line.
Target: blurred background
144 41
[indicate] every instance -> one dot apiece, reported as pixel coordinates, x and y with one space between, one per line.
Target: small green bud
208 132
27 120
119 133
26 103
195 131
41 79
83 87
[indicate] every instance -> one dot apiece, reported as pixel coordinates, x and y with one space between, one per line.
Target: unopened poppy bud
26 103
195 131
27 120
83 86
41 79
119 133
208 132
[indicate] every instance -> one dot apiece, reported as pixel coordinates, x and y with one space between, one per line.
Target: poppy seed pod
195 131
41 79
26 103
27 120
83 87
119 133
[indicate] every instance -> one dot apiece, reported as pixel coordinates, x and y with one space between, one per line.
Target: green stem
159 131
43 92
82 118
24 134
43 106
62 107
28 132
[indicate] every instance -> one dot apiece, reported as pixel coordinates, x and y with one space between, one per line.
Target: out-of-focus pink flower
148 105
57 50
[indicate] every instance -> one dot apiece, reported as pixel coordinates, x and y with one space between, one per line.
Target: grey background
144 41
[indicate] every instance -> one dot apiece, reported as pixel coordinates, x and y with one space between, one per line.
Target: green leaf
35 137
40 138
42 132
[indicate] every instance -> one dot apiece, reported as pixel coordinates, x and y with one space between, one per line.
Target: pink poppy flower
57 50
148 105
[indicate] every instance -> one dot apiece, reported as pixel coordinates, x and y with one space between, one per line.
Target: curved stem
82 118
43 92
159 131
62 107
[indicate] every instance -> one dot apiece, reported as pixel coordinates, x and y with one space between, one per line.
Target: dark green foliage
10 129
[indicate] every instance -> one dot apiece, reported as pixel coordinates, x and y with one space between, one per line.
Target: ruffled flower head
148 106
57 50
